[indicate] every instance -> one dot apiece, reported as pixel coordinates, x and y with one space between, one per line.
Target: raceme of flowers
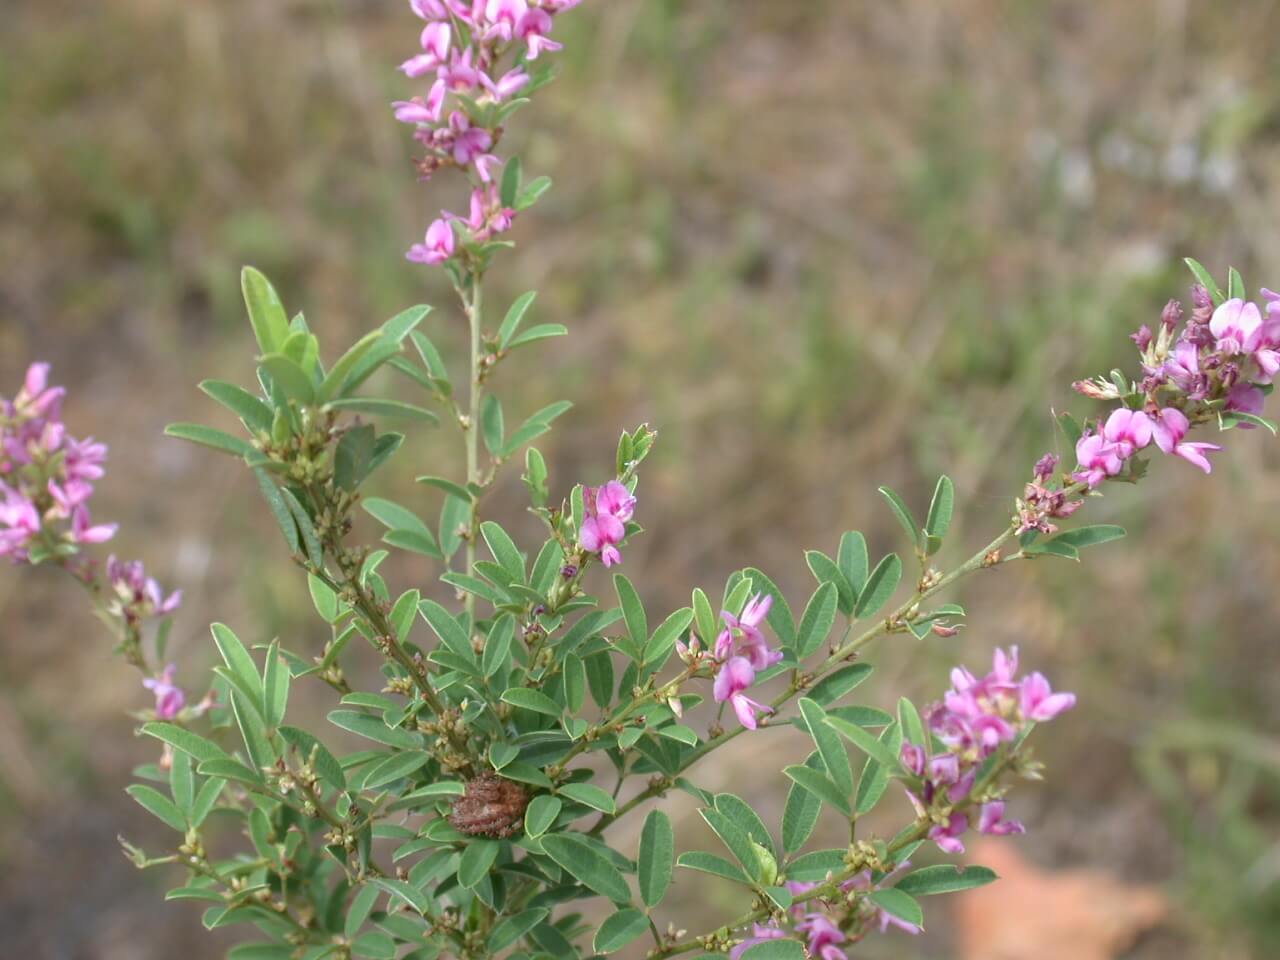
46 475
1221 362
477 57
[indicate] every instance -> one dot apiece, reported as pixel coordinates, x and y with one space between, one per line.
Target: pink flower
1236 327
438 246
19 524
1129 430
1183 369
759 934
435 40
1171 425
947 835
752 639
510 82
83 532
503 15
821 934
429 9
991 821
459 74
169 696
1039 703
1246 398
604 526
137 595
534 29
468 142
732 681
1098 459
419 111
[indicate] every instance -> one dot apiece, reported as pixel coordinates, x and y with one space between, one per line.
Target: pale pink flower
1170 426
1129 430
991 821
1097 458
169 696
1236 327
732 681
1039 703
759 934
534 29
437 247
83 530
607 510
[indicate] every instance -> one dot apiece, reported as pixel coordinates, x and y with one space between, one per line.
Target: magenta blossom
751 639
732 681
1171 425
169 696
138 596
437 247
759 934
1098 459
991 821
1236 327
604 526
1128 430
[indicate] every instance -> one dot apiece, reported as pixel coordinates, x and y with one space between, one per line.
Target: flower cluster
742 652
973 721
46 475
604 525
135 596
1222 362
829 925
478 53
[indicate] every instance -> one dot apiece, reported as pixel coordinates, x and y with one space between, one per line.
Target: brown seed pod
491 807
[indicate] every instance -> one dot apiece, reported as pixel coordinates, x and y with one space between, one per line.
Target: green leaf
228 769
875 775
940 509
819 616
448 629
864 741
1064 550
1205 278
540 331
448 486
275 686
253 413
374 729
404 891
1090 536
324 598
315 553
589 795
504 550
909 721
575 682
944 878
656 858
491 425
620 929
1235 284
509 191
279 510
825 570
664 638
901 905
513 928
880 587
541 813
711 863
535 700
800 815
775 950
209 437
381 407
817 865
511 321
330 388
359 910
317 754
833 687
531 191
587 865
820 786
205 800
190 743
181 784
497 646
476 860
853 561
239 662
834 755
632 610
290 377
157 804
781 619
903 513
1232 418
393 768
266 312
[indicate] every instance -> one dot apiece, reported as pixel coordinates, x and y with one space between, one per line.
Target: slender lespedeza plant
474 817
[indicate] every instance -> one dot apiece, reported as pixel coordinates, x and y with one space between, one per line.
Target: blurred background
821 246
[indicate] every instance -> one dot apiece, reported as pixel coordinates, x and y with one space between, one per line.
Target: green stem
473 305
